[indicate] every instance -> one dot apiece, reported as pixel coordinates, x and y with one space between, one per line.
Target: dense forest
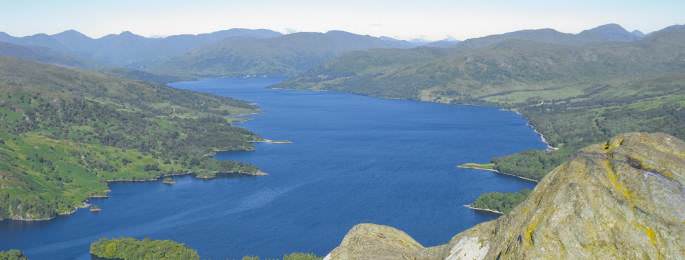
66 132
12 255
132 249
502 202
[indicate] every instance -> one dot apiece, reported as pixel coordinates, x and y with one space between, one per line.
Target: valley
533 143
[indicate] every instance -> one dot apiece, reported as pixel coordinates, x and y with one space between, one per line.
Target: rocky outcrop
376 242
623 199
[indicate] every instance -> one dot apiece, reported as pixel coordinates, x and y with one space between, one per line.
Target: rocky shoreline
484 210
464 166
532 126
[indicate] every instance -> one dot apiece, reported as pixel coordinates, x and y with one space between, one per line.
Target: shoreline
484 210
269 141
86 202
496 171
418 99
473 167
549 148
530 124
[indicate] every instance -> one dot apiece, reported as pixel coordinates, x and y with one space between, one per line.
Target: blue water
354 159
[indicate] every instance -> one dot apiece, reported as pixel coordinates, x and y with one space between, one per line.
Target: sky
404 19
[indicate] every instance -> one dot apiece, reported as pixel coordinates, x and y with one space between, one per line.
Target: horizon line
288 32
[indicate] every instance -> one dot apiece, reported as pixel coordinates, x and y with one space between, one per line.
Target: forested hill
39 54
286 55
603 33
574 94
224 53
65 132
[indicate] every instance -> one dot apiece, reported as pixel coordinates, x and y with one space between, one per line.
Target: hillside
621 199
573 95
39 54
128 49
601 34
66 132
285 55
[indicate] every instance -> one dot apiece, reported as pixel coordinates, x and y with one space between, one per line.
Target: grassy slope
574 95
65 132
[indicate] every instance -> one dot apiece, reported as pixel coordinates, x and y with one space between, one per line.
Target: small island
269 141
12 254
169 181
479 166
95 209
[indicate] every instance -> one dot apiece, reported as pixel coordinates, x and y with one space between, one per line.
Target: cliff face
624 199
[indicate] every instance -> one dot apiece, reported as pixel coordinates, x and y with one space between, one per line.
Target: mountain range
604 33
241 52
286 55
126 49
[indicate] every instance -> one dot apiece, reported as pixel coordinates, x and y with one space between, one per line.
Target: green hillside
573 94
66 132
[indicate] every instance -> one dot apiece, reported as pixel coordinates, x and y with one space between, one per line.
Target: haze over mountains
240 52
126 48
286 55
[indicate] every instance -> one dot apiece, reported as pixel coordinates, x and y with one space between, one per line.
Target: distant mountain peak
41 35
609 26
339 32
609 32
70 31
638 33
73 34
127 33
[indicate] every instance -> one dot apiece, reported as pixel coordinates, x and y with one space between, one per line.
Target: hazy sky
406 19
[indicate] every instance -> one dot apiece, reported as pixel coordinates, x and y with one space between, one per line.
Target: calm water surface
354 159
